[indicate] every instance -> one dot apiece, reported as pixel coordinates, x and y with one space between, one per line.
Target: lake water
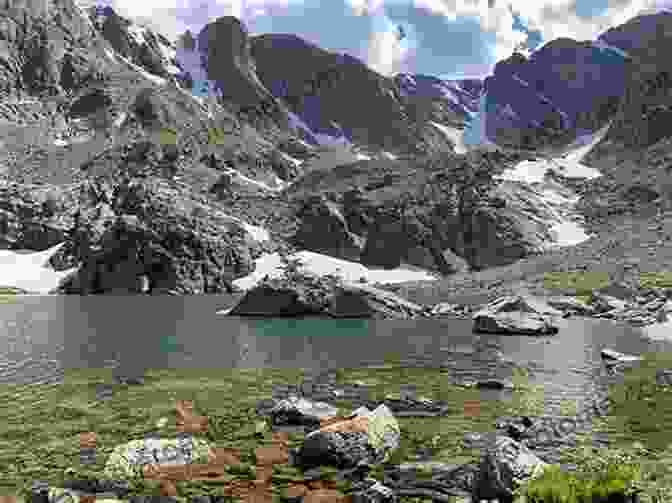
42 336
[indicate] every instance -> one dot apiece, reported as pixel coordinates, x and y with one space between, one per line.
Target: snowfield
30 270
454 135
317 263
553 197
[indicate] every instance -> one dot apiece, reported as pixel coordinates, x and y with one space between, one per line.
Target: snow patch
601 44
520 81
584 144
157 80
454 135
258 233
568 233
235 174
120 119
319 264
110 54
291 159
659 331
31 271
137 33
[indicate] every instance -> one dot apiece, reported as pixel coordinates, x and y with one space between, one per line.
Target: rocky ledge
301 294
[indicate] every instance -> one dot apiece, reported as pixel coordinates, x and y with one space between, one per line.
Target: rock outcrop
514 316
224 47
306 295
643 111
536 102
128 238
323 229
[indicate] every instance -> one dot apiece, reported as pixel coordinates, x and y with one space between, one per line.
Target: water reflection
41 336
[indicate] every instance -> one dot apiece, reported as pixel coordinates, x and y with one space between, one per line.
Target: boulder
295 411
306 294
497 384
129 458
602 303
515 316
364 437
570 305
504 464
610 354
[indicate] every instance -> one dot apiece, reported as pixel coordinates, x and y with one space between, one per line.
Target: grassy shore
40 424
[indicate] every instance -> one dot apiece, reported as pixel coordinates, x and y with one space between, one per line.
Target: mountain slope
185 164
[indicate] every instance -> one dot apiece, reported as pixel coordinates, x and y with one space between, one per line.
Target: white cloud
385 53
163 15
557 18
365 7
553 18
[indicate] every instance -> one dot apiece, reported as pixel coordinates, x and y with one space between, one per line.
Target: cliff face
178 152
564 90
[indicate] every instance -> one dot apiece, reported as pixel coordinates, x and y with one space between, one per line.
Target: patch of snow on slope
258 233
568 164
110 54
154 78
138 33
520 81
601 44
658 331
169 54
120 120
449 94
454 135
316 263
31 271
332 156
320 138
235 174
474 136
551 206
584 144
291 159
387 155
569 233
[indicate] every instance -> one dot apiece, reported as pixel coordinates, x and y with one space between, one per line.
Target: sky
444 38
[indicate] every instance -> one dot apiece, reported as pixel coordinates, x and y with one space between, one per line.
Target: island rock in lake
305 295
515 315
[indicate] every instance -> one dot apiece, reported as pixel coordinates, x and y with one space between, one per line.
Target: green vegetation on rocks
558 486
662 279
583 283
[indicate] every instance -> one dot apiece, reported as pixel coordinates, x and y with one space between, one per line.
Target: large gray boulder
504 464
514 315
306 295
